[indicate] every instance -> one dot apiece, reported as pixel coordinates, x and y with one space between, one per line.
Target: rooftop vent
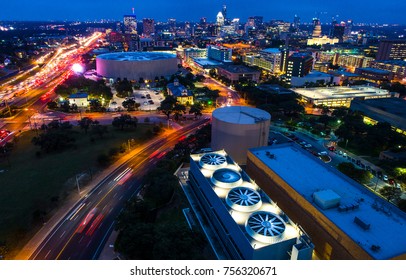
226 178
265 227
213 161
244 199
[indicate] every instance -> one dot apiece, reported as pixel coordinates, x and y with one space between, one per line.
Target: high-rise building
130 24
391 50
299 65
172 25
296 24
220 19
337 31
224 12
148 27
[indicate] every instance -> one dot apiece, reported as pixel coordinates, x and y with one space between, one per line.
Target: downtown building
267 59
247 223
298 65
345 220
391 50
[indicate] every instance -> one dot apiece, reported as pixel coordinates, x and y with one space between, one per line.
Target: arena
135 65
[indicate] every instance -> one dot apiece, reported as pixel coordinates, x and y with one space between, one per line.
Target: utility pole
77 184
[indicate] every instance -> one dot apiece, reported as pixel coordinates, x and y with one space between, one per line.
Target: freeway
83 231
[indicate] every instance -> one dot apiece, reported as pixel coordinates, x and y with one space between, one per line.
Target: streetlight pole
77 184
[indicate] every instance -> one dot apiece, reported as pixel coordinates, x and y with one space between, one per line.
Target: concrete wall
236 139
133 70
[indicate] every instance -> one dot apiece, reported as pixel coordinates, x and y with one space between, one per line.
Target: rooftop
394 62
79 95
374 70
136 56
387 223
241 114
391 110
238 69
271 50
340 92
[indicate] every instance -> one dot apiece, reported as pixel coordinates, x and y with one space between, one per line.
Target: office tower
391 50
172 25
299 65
130 24
338 30
148 27
348 28
296 24
224 12
220 19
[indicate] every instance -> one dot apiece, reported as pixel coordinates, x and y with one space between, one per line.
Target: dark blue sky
369 11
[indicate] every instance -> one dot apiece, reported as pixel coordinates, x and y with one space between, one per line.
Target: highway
82 233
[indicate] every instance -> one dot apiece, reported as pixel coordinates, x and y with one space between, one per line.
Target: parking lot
150 100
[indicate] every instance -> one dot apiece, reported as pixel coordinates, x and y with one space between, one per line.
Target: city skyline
306 10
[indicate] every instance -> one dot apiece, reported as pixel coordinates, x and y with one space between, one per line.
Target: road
82 233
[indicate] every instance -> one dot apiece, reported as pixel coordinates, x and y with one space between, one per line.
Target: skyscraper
148 27
220 19
130 24
224 12
296 24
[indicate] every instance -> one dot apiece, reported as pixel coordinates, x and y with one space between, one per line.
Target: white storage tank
239 128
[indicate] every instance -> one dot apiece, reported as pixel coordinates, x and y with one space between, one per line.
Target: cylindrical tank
135 65
239 128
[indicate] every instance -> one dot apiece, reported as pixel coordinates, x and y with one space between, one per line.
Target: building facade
236 73
391 50
298 65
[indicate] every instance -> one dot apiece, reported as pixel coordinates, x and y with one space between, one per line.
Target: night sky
368 11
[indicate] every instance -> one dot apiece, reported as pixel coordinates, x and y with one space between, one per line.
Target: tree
125 121
168 105
130 104
85 123
196 109
390 192
178 109
360 175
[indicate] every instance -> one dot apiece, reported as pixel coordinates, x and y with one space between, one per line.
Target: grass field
31 186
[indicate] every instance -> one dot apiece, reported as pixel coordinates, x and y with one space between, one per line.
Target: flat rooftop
206 62
391 110
307 175
340 92
238 69
374 70
136 56
241 115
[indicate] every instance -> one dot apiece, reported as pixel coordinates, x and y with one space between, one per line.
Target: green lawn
31 185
